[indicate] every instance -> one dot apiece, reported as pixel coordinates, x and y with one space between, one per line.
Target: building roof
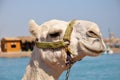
10 39
21 38
27 38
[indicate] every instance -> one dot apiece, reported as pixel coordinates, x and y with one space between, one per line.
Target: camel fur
48 64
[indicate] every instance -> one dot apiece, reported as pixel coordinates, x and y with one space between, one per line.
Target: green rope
68 31
58 44
52 45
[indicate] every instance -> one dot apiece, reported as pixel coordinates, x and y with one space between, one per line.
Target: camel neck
38 69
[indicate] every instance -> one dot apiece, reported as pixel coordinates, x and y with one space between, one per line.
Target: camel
59 44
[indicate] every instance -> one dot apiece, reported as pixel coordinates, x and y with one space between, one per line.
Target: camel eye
54 35
36 39
92 34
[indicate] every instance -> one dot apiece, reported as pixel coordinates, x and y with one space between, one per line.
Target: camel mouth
91 49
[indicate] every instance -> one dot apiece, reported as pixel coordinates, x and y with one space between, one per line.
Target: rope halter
59 44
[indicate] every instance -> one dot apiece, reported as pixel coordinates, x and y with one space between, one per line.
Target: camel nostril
96 40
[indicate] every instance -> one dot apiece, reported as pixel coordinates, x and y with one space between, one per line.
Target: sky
15 14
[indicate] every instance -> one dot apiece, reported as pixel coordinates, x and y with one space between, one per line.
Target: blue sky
15 14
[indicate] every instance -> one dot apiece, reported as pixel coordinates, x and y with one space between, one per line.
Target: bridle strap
51 45
68 31
59 44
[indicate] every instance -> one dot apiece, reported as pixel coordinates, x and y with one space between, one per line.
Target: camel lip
93 50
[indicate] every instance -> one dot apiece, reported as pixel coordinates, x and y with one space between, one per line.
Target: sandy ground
28 54
116 50
15 54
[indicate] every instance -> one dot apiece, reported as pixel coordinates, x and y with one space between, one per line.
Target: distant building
10 44
113 42
27 43
17 44
0 45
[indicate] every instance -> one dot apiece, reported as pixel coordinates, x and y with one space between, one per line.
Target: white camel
60 44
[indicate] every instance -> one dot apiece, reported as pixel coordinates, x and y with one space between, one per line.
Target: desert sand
14 54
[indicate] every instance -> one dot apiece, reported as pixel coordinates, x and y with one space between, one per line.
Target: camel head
59 43
86 37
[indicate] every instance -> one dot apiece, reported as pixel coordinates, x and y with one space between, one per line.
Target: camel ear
33 28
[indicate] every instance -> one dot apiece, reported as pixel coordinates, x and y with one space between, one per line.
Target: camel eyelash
53 35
